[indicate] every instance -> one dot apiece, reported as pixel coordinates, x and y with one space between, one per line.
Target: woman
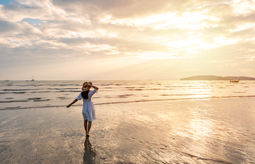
88 111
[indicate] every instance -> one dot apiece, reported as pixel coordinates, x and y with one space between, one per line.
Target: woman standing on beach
88 111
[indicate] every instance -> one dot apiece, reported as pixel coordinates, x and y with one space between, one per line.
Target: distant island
212 77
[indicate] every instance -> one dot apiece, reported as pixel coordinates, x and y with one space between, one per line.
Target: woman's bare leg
86 126
89 126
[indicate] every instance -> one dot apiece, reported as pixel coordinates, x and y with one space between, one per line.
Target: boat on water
233 81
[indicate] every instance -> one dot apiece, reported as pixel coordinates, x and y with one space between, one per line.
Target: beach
181 131
161 82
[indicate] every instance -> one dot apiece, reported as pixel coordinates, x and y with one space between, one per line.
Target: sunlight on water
198 90
27 94
137 121
200 128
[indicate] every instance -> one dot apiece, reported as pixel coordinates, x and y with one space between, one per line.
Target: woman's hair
85 94
85 90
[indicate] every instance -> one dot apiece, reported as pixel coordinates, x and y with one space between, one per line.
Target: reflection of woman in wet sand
88 111
89 156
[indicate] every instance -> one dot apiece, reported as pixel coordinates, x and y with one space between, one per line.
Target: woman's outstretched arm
94 87
74 101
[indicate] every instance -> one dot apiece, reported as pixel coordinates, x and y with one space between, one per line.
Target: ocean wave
62 98
11 101
12 92
126 102
9 98
177 94
135 89
125 95
37 99
17 89
46 91
34 99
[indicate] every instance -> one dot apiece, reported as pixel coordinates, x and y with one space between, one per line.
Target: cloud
31 21
6 26
57 30
118 8
121 44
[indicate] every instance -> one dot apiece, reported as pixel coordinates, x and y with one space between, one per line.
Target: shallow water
216 127
197 131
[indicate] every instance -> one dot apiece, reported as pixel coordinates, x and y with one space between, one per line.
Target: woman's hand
74 101
90 84
94 87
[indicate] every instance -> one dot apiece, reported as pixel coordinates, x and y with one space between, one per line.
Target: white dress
88 110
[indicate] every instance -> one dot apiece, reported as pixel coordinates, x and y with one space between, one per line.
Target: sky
126 39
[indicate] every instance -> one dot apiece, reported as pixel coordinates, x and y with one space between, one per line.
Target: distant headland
212 77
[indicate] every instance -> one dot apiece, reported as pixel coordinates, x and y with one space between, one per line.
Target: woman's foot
87 135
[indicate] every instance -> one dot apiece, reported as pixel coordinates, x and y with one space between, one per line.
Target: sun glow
178 43
169 20
157 55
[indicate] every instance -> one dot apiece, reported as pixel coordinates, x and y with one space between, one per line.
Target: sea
146 121
43 94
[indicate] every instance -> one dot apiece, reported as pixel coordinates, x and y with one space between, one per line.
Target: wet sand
190 131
